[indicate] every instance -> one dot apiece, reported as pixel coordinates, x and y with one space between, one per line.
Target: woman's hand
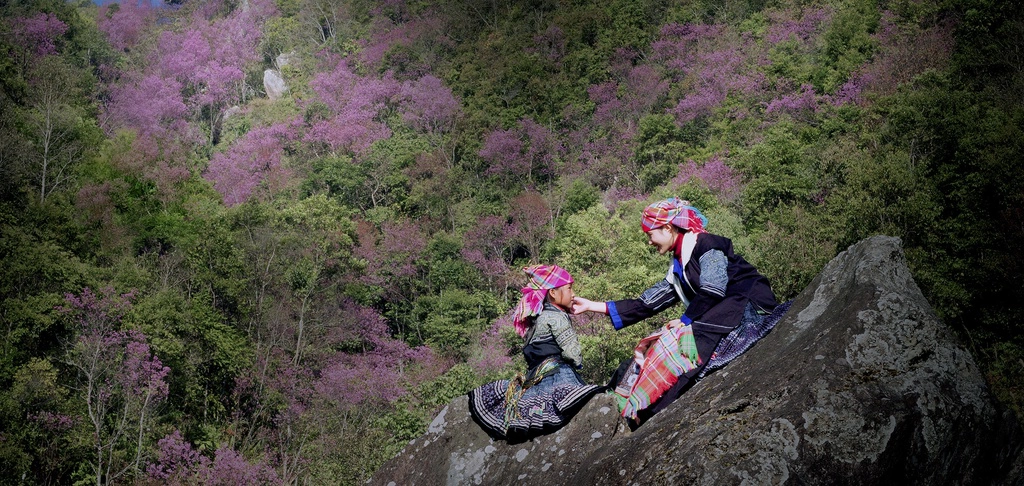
674 323
581 305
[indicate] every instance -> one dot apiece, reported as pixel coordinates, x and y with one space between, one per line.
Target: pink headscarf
542 279
679 213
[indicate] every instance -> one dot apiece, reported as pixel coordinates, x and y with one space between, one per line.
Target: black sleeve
654 300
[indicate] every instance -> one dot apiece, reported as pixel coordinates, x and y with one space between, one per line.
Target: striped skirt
518 409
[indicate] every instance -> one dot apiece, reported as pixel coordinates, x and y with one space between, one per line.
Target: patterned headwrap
679 213
542 279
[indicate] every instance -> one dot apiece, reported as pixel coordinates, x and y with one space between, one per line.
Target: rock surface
284 59
860 383
274 84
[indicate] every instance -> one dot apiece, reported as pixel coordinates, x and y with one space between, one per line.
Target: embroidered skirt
516 409
753 328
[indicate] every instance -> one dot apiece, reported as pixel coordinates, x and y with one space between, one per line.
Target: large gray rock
274 84
860 383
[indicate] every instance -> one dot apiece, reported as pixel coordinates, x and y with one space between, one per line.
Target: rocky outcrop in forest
860 383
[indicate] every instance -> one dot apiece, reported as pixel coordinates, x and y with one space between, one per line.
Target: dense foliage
204 285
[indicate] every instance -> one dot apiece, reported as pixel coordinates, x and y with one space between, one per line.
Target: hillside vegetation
203 285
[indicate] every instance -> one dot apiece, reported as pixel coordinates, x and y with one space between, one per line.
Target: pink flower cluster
721 179
525 151
429 106
405 44
708 60
805 101
800 29
252 160
123 22
178 462
486 245
379 373
38 34
492 355
354 102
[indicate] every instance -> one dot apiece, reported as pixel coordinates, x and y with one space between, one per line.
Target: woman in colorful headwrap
719 289
548 394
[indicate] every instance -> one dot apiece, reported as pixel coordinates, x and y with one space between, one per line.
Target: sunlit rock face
274 84
860 383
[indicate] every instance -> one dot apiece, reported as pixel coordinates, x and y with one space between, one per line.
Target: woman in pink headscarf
719 289
548 394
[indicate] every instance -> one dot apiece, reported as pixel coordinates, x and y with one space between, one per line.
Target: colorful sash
519 384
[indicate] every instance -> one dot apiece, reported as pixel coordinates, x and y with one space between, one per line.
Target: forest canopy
206 280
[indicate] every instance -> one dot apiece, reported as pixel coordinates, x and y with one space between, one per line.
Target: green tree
56 128
848 43
317 248
448 320
43 441
779 169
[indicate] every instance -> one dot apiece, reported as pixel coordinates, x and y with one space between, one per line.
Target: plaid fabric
673 211
542 279
659 360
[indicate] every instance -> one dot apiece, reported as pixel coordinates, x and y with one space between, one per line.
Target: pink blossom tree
618 105
150 105
175 461
430 107
550 44
390 255
534 221
354 103
800 27
488 245
379 372
802 103
38 35
527 153
191 76
153 108
904 51
231 468
179 463
358 387
123 382
408 45
503 150
298 412
207 60
607 144
715 174
252 160
271 415
544 150
124 22
491 351
713 63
